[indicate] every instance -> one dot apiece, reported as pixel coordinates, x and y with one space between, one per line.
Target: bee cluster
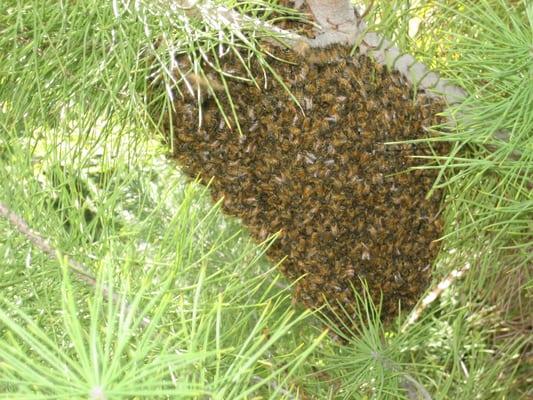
321 175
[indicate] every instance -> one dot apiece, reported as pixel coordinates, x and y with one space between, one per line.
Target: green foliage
218 323
78 162
484 47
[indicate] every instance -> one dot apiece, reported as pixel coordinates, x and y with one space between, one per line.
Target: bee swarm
342 200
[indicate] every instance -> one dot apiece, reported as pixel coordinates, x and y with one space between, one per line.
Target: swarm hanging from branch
339 23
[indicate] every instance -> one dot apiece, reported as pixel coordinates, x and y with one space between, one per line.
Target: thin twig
80 270
435 294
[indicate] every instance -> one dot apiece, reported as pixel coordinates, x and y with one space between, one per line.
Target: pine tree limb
39 241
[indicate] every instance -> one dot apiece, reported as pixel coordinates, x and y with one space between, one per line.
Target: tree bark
337 21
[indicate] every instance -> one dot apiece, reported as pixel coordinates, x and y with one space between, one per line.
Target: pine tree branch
39 241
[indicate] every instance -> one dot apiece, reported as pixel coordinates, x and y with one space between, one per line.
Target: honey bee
204 82
363 157
301 48
327 98
332 118
434 245
438 225
377 179
364 188
340 66
250 148
373 232
350 271
250 200
184 137
386 286
379 68
308 190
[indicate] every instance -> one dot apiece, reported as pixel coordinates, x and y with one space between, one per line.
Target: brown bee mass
320 174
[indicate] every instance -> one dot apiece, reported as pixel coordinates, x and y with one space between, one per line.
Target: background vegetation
81 161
